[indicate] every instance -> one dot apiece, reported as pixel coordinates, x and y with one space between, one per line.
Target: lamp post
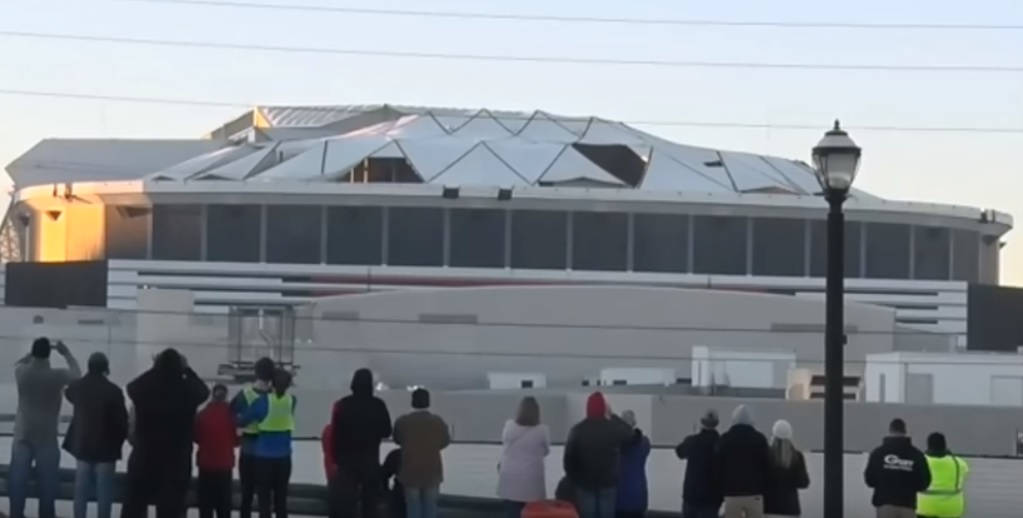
836 158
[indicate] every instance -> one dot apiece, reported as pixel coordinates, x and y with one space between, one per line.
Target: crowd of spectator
740 473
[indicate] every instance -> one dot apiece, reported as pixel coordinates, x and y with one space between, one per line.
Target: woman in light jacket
525 444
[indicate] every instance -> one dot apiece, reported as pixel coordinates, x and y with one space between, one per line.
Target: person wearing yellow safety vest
264 372
274 414
944 498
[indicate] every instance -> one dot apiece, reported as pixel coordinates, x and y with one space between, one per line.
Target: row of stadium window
539 239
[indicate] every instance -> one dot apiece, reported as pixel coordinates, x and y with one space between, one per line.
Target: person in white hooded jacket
525 445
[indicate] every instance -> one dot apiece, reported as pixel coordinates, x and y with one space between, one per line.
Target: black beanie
420 399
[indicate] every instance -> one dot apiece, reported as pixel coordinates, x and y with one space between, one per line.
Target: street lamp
836 158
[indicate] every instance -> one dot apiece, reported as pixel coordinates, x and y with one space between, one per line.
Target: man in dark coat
165 400
592 458
701 496
360 422
96 435
742 466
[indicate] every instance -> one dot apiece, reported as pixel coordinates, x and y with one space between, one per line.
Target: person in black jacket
896 471
787 474
165 400
742 465
358 431
99 427
592 455
701 496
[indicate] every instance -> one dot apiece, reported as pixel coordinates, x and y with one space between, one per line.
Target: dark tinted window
127 232
779 246
538 239
232 233
600 240
382 170
415 236
719 245
177 232
965 255
931 247
354 235
887 251
293 233
660 243
477 238
819 248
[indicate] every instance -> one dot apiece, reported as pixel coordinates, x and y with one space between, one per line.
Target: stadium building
284 206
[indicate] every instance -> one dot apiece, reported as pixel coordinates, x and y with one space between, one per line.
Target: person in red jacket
217 436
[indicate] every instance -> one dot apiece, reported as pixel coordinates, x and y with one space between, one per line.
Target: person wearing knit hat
592 456
743 461
782 429
788 473
596 406
701 496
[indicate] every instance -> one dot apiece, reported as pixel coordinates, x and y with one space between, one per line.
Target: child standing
217 436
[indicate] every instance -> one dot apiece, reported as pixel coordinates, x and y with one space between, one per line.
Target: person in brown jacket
422 435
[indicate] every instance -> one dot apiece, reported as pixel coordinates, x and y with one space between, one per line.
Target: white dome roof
480 147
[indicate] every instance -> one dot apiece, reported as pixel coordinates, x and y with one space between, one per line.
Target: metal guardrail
303 499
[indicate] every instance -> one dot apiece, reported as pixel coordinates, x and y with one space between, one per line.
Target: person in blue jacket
264 372
274 413
632 495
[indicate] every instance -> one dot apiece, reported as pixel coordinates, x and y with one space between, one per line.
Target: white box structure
637 376
515 380
713 367
955 379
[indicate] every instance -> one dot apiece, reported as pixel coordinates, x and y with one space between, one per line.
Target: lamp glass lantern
837 159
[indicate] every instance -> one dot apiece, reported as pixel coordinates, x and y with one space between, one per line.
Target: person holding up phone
40 394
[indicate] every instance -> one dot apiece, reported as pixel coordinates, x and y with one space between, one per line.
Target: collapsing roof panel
440 145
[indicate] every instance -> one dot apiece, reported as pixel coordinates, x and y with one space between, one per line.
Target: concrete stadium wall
467 352
571 333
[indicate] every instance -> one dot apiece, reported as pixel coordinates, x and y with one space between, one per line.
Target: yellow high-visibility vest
280 414
250 394
944 498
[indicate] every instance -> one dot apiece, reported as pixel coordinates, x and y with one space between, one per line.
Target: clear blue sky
978 169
